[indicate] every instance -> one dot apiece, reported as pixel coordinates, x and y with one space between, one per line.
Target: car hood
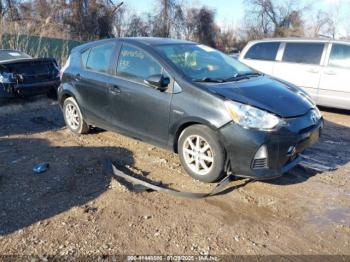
265 93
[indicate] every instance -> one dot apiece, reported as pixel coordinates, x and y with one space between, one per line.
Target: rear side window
340 56
135 64
263 51
84 57
304 53
99 58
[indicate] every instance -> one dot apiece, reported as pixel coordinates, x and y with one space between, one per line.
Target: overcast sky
231 12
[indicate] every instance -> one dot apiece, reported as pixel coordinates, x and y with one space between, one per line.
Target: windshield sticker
206 48
14 54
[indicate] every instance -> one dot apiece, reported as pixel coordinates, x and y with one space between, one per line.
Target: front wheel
73 117
201 154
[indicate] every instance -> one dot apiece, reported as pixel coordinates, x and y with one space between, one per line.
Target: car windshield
12 55
200 62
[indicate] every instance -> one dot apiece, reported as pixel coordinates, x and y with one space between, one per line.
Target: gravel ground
77 208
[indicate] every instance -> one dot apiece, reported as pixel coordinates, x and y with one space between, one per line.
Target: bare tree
137 27
275 18
200 25
322 24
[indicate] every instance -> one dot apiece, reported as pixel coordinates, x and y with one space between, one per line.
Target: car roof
10 50
155 40
301 39
149 41
8 55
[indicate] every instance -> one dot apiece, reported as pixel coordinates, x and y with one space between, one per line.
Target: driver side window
136 65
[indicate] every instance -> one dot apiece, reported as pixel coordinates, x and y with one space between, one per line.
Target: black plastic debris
138 184
41 168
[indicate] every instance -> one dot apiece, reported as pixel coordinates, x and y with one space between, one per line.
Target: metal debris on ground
41 168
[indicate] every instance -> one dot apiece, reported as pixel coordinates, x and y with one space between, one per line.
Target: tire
194 163
73 117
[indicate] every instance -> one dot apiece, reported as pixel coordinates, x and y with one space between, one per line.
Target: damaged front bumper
268 154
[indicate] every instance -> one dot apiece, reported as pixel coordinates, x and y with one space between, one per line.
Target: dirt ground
76 208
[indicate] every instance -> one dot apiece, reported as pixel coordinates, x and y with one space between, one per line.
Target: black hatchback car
215 112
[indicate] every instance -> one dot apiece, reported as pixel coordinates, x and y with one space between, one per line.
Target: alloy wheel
72 116
198 154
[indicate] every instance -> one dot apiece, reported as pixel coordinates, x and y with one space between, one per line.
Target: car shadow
40 115
73 179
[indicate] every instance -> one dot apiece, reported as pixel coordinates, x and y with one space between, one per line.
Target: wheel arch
182 126
65 90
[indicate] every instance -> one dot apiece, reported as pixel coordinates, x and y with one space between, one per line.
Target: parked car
320 66
22 75
234 53
212 110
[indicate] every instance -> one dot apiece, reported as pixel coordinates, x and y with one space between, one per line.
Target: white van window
340 56
304 53
263 51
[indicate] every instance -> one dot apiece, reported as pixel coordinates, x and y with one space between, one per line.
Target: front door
139 109
334 90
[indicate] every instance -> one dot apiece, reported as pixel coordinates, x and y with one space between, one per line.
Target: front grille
260 163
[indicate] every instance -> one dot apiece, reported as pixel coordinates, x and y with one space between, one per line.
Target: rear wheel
73 117
201 154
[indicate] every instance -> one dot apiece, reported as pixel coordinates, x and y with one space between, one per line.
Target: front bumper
27 89
242 145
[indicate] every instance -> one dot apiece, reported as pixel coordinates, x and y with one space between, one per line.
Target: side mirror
159 81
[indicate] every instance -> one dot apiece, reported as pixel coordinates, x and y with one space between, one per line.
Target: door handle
114 89
330 73
313 70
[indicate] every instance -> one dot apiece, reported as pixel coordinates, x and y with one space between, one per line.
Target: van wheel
73 117
201 154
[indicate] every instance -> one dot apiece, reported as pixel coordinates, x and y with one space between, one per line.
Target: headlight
318 112
6 78
251 117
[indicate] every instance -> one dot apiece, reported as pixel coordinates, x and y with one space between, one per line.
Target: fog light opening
260 158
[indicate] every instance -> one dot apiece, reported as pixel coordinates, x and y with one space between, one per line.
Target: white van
320 67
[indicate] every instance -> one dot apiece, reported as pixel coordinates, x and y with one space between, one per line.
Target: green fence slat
37 46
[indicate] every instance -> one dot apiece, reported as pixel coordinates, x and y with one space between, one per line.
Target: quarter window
263 51
99 58
304 53
340 56
84 57
136 64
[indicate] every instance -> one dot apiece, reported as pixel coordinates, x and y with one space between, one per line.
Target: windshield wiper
209 80
241 76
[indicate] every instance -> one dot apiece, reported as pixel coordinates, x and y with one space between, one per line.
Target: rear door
300 64
92 83
334 85
139 109
261 56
